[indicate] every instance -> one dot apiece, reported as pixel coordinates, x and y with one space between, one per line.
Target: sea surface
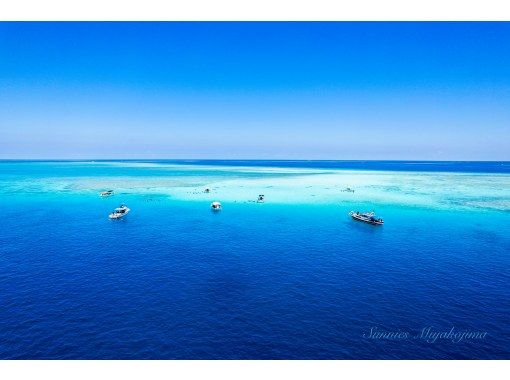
291 278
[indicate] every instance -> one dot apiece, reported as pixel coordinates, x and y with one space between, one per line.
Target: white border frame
250 10
253 370
255 10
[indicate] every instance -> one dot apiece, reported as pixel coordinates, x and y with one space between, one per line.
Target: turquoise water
292 278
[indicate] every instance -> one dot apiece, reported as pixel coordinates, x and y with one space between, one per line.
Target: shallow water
293 277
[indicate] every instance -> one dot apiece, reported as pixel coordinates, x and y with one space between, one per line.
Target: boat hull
361 218
216 206
116 215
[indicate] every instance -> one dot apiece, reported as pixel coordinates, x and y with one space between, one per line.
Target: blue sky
428 91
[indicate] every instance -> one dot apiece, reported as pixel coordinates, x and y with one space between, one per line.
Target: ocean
291 278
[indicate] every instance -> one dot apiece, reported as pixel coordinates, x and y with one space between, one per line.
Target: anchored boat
216 206
106 193
260 198
119 212
367 217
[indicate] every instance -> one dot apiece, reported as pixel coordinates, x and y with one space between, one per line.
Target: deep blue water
413 166
273 281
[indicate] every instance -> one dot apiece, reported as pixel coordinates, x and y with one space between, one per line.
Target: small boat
119 212
216 206
207 190
367 217
260 198
348 190
106 193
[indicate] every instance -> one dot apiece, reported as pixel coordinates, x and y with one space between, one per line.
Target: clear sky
427 91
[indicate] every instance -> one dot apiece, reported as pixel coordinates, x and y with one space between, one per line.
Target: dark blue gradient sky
427 91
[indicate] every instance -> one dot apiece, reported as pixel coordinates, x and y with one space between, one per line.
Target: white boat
216 206
260 198
207 190
119 212
367 217
106 193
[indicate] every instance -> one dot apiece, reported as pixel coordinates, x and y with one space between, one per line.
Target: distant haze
421 91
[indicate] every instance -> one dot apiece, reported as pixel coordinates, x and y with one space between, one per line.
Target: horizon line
243 159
